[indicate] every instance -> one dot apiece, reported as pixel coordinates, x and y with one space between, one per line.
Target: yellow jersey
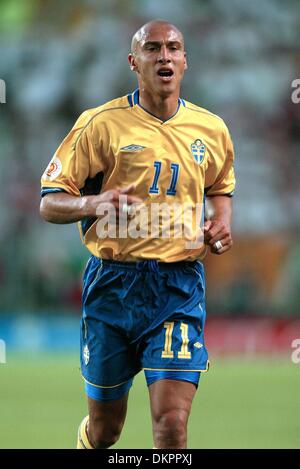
173 163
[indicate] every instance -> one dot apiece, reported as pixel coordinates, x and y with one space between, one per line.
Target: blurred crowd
60 58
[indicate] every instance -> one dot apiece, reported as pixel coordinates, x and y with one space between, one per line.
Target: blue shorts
144 315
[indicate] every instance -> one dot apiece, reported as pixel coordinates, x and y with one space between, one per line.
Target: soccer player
143 293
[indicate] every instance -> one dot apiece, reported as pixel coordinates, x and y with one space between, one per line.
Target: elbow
45 213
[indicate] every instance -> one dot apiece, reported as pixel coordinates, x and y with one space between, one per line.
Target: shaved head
141 35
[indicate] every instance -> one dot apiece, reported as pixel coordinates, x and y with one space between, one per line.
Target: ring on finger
218 245
125 208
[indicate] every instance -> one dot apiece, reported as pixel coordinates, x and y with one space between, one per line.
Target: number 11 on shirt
154 189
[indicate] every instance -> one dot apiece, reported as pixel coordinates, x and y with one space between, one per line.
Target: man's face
159 59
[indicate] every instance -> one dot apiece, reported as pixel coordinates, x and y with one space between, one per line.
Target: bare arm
218 228
60 207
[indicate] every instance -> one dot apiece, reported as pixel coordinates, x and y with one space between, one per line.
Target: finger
207 225
105 208
215 233
127 200
132 199
220 251
221 235
128 189
131 210
218 232
112 195
226 245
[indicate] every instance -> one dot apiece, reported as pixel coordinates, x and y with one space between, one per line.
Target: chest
163 159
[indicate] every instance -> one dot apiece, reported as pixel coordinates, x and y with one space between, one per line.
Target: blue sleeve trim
50 190
229 194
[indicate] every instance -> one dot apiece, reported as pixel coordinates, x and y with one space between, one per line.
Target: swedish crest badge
86 355
198 150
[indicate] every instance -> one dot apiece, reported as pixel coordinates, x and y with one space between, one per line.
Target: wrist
87 206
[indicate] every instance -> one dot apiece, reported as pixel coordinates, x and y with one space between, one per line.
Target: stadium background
59 58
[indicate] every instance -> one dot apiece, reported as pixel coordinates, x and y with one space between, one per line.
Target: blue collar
134 99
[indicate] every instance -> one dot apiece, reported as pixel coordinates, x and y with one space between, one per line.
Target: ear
185 62
132 63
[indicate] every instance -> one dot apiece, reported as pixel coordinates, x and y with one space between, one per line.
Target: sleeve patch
53 170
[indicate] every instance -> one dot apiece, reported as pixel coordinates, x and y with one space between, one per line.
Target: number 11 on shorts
168 352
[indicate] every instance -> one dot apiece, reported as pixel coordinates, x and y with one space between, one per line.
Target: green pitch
239 404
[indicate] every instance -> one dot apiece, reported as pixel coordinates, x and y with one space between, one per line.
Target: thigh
107 414
108 361
176 340
177 345
168 395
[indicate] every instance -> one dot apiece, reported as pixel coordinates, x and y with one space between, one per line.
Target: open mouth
165 74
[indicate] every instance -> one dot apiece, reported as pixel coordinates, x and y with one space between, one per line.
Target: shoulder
204 114
94 116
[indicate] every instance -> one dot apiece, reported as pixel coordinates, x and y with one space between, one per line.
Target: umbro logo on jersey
133 148
198 345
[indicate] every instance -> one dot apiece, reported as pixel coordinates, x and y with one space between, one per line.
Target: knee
170 429
103 435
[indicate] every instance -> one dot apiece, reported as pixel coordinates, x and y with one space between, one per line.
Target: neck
162 107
